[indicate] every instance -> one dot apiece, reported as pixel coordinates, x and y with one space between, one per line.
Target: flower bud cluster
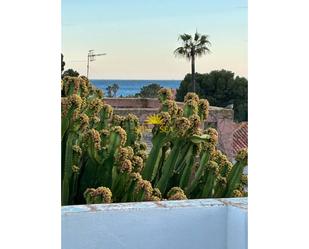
165 94
97 196
191 96
203 108
176 193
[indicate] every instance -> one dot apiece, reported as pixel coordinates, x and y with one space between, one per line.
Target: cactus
98 196
104 159
176 193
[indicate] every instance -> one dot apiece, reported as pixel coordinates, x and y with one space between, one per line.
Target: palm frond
182 52
204 40
201 51
185 37
196 36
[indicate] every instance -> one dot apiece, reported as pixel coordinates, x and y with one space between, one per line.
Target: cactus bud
195 121
145 187
99 93
118 136
95 105
165 94
88 195
237 193
76 148
143 146
135 176
176 193
138 164
190 108
75 100
95 138
191 96
213 135
213 166
203 109
102 195
125 166
242 155
117 120
106 112
169 106
182 125
244 180
75 169
143 154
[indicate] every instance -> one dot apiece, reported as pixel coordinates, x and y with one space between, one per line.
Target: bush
149 91
220 88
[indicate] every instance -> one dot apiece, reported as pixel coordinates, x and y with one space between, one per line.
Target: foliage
149 91
62 63
112 90
220 88
70 72
104 159
193 47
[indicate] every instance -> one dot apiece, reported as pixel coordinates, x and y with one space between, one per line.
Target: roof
240 137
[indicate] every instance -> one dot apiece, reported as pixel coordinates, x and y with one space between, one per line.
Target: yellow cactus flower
154 120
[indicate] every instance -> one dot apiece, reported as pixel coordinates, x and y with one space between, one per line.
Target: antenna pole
91 57
87 65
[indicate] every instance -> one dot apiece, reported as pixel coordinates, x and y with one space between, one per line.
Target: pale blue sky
139 36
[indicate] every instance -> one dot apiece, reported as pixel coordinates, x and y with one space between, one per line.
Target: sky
139 36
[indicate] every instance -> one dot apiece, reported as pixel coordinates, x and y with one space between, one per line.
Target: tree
70 72
220 88
149 91
109 90
62 63
112 90
115 88
192 48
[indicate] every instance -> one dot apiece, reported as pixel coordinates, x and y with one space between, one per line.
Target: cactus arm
181 162
129 195
233 178
74 187
189 161
88 176
104 172
68 161
64 126
199 173
168 167
209 185
219 190
151 165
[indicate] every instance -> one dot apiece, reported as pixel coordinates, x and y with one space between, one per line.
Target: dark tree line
69 72
221 88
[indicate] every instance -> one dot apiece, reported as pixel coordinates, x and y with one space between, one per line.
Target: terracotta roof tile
240 137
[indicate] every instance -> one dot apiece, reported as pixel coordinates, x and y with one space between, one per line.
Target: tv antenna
91 57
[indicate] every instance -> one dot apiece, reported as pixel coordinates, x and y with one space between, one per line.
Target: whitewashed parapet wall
194 224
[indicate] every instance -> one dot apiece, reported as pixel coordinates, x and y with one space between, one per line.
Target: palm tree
115 88
192 48
109 90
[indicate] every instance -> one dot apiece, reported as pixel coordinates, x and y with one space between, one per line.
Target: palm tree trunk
193 71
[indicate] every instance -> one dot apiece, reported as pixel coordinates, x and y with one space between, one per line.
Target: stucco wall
194 224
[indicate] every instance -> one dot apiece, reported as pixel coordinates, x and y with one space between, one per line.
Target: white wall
191 224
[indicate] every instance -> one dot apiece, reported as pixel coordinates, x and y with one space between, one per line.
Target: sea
131 87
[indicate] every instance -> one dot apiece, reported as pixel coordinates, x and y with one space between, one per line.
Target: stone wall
219 118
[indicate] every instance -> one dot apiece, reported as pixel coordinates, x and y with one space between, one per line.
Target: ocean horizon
131 87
